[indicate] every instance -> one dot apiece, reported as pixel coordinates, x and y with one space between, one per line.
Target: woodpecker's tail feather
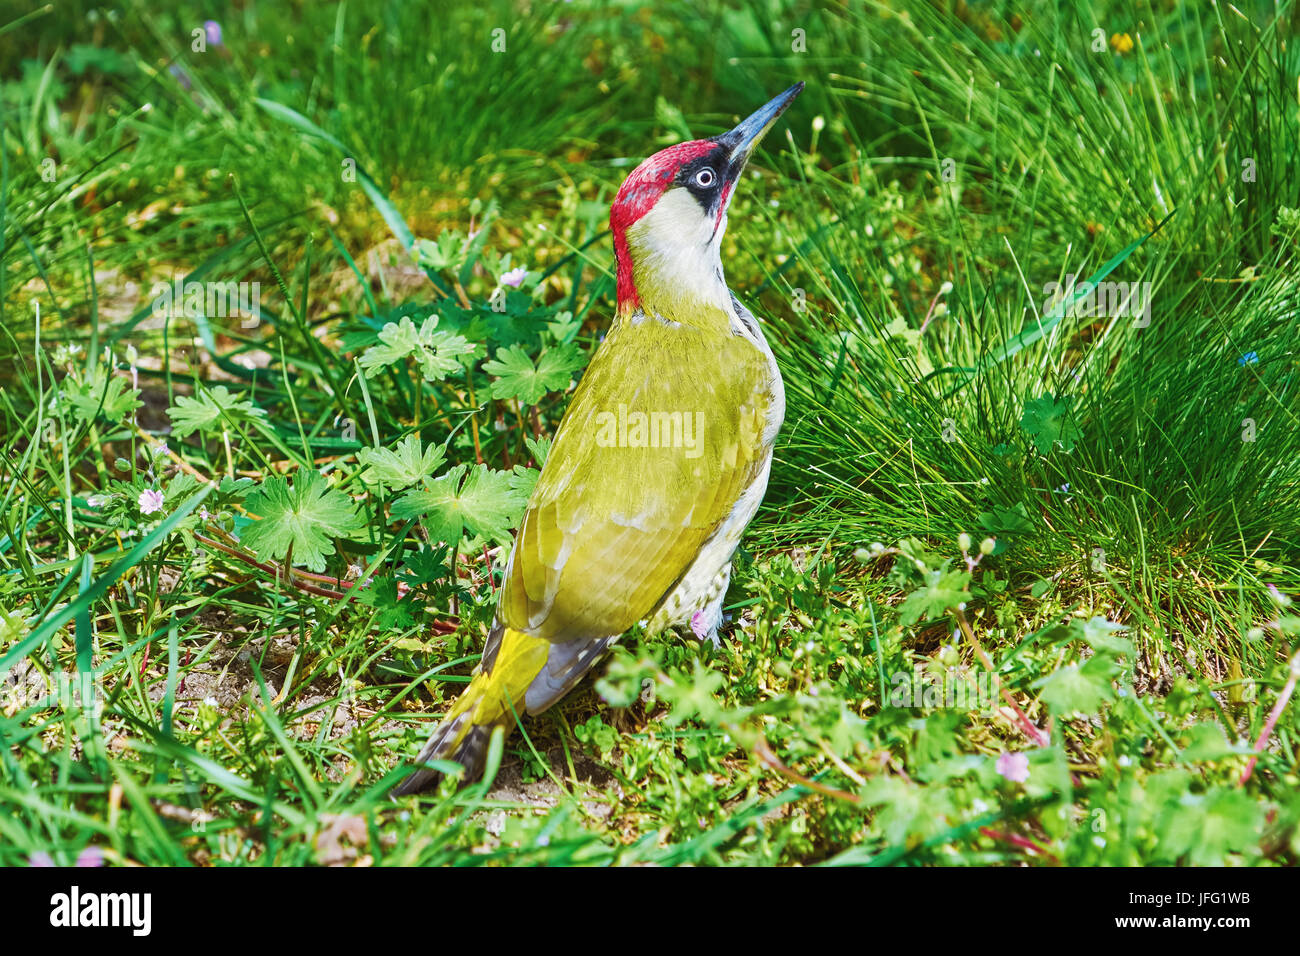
518 674
453 740
493 698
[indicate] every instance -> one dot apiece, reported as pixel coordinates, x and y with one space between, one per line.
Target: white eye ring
704 178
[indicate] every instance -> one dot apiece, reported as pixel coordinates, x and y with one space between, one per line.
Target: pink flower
1015 767
514 277
700 625
150 501
90 856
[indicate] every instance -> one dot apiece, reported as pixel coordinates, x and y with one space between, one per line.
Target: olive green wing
614 522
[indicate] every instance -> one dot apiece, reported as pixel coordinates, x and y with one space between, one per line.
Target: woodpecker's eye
704 178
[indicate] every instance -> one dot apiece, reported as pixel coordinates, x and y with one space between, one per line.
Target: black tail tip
471 754
415 782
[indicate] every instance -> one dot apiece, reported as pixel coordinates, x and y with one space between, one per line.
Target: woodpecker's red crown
706 168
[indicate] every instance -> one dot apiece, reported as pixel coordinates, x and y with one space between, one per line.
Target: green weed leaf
517 376
1047 420
941 591
1080 688
477 501
306 516
410 463
212 410
437 352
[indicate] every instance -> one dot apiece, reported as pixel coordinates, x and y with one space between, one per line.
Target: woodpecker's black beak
740 142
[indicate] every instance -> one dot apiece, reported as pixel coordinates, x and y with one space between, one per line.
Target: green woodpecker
658 465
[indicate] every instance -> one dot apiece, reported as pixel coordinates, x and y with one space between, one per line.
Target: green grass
1143 475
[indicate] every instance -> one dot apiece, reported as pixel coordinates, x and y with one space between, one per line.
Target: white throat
676 249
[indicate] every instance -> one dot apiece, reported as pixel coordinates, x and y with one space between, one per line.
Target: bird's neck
671 277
